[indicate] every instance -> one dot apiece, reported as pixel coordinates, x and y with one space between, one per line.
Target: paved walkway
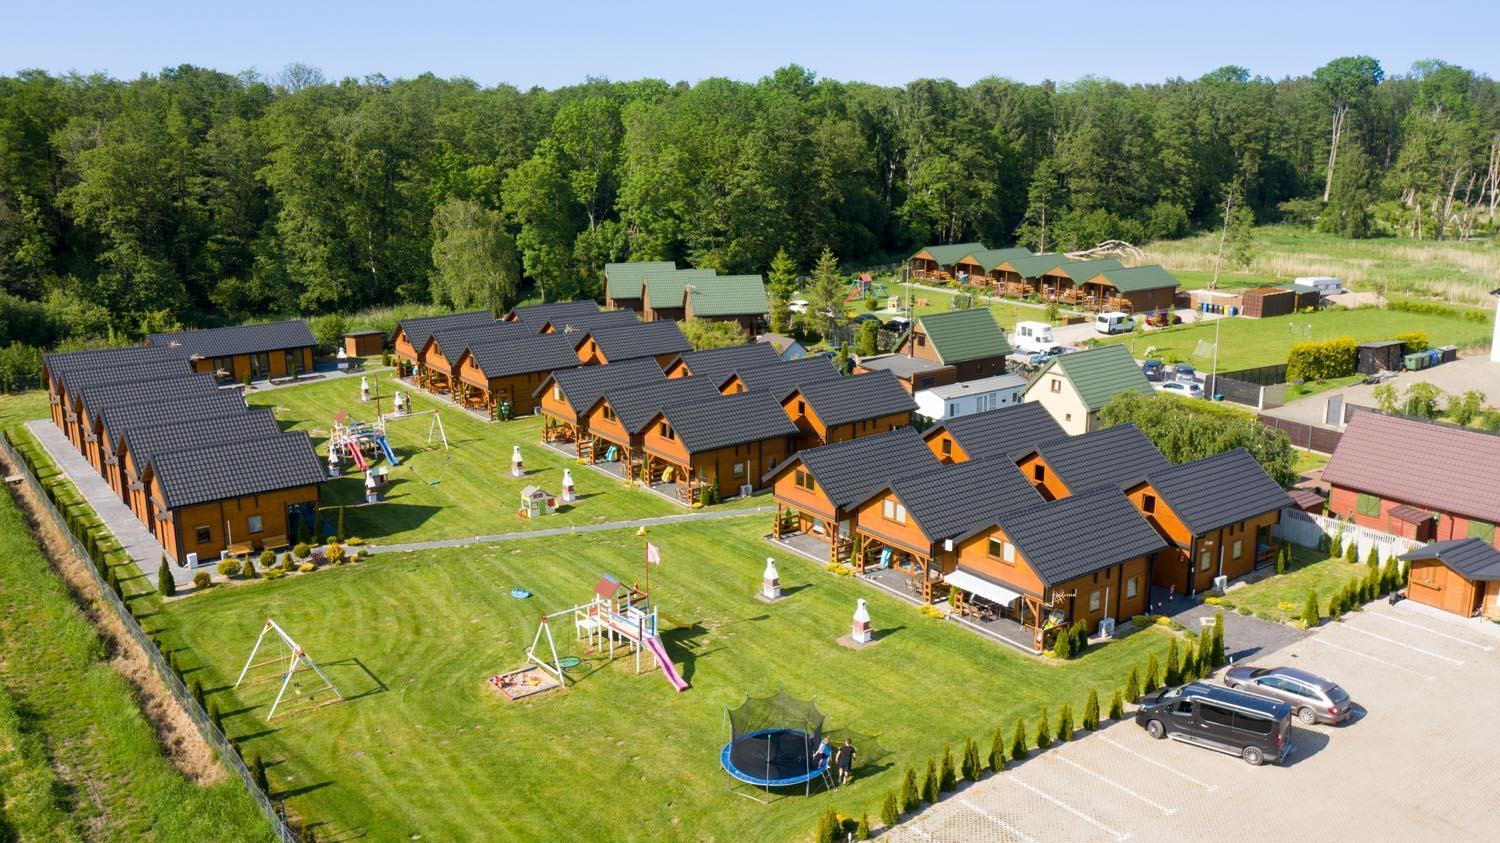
568 531
1245 636
127 529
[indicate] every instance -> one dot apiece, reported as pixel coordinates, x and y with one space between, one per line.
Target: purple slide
654 644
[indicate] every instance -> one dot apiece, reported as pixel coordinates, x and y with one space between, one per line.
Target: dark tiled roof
220 402
900 365
583 385
158 436
451 340
236 469
536 316
1423 463
850 399
956 499
850 472
1067 538
1215 491
524 354
642 339
163 395
60 366
728 420
779 380
1473 558
582 323
718 363
636 405
1118 456
1008 431
418 330
240 339
150 369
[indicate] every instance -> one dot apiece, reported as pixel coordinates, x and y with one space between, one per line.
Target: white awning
993 592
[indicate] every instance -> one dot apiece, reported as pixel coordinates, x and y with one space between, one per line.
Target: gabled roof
1216 491
717 363
949 254
955 499
636 405
779 380
1119 456
1472 558
1034 266
849 399
850 472
523 355
121 418
240 339
1070 537
624 280
191 434
666 289
1137 278
1098 374
641 339
451 340
728 420
150 369
992 258
728 295
1438 466
1081 271
583 385
236 469
960 335
64 364
584 322
418 330
534 316
163 395
1008 431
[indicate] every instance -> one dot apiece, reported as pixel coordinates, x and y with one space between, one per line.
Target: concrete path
568 531
127 529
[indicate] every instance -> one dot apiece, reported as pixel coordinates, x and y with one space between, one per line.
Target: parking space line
1319 639
1149 760
1466 642
1070 809
1007 827
1112 783
1398 643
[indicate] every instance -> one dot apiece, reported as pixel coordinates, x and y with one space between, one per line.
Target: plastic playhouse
536 502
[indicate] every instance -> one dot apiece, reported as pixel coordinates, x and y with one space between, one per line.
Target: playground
443 474
421 744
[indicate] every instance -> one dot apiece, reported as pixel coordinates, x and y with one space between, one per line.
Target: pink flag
652 554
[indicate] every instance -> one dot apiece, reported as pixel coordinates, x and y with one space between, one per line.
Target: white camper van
1032 336
1113 322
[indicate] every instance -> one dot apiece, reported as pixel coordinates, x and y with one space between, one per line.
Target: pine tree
1091 711
1153 670
165 585
1310 610
1018 741
781 282
1065 724
890 810
1043 731
996 757
1351 551
1116 706
825 293
1133 684
930 783
911 797
969 764
1217 659
947 776
1173 675
1062 647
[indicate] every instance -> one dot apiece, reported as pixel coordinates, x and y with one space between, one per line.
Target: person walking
844 760
823 754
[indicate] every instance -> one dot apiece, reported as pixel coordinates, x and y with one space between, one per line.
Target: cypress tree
1218 641
1065 724
862 828
340 529
1310 610
910 796
1043 731
947 776
164 582
969 764
1153 670
1062 648
890 812
1018 741
1173 675
828 826
1133 684
1372 559
996 757
930 783
1116 707
258 772
1351 552
1091 711
1336 549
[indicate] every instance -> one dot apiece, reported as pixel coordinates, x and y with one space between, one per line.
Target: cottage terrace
937 263
615 424
729 443
500 377
437 358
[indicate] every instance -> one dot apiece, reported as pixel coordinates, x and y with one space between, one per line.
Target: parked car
1186 389
798 305
1046 356
898 325
860 319
1313 698
1184 372
1114 322
1256 728
1153 370
1163 319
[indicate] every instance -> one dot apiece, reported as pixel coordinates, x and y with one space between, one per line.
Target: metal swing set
291 660
434 431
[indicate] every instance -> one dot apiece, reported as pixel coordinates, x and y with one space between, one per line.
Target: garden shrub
1322 360
1244 610
1336 549
272 574
910 796
1310 610
1018 740
336 554
996 757
307 567
355 541
1065 723
828 827
1043 731
862 828
947 776
1413 341
1153 674
1063 648
1116 706
930 783
229 567
202 580
1133 684
1372 559
890 813
969 764
1091 711
1141 621
267 559
1172 677
301 550
1351 552
258 772
164 582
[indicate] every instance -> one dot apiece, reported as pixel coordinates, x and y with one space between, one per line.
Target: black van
1256 728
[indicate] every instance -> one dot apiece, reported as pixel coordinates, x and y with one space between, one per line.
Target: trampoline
772 742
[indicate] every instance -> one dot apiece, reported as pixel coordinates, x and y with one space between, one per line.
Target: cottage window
921 340
1095 601
927 383
1205 558
608 412
805 481
739 471
801 408
556 392
1039 472
1367 504
995 548
953 408
1131 587
946 447
1055 385
1239 545
292 362
202 535
255 523
894 511
1148 504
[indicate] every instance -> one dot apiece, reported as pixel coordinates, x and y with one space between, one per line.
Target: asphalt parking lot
1415 763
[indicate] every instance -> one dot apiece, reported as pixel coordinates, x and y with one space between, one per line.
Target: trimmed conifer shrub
1062 648
1173 675
1351 552
1217 658
1336 549
862 828
1153 671
930 783
1018 741
1091 711
828 826
164 582
910 796
1116 706
1310 610
1133 684
258 772
1372 559
1065 724
890 811
1043 731
947 775
969 764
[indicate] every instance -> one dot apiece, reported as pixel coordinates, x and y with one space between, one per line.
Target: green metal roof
991 258
1035 265
949 254
960 335
1098 374
729 295
1081 271
623 280
665 289
1136 278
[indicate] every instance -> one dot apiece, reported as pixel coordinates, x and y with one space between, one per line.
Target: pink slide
654 643
359 458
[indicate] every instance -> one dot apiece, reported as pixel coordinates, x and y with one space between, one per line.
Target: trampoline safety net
772 740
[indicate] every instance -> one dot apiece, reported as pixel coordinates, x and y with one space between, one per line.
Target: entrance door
298 515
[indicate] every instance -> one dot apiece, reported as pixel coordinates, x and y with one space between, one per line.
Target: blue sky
556 43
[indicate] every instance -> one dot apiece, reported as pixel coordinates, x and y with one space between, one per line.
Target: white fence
1308 530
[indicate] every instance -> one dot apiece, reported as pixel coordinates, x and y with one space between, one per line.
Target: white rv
1032 337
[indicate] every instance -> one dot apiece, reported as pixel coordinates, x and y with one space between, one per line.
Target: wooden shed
1461 576
364 343
1261 302
1377 356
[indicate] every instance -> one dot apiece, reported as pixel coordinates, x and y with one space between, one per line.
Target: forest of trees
196 197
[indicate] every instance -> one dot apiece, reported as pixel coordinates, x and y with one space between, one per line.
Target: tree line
196 197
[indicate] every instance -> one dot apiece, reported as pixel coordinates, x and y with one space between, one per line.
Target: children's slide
359 458
654 644
385 446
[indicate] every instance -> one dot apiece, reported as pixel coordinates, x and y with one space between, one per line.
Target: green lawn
1007 313
1310 571
1249 343
465 491
1196 279
1308 460
423 747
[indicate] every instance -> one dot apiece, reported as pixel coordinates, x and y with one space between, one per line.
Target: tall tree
1345 82
474 261
1043 207
825 293
781 283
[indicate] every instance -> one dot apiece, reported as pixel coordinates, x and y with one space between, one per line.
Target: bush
1063 648
272 574
828 826
1351 552
996 758
307 567
1116 706
1043 731
336 555
1372 559
1413 341
890 811
1065 723
947 776
229 567
1216 659
862 828
1173 675
328 331
1018 741
930 783
355 541
301 550
1091 711
969 764
164 582
1337 548
267 559
910 796
1133 684
202 580
1153 671
1142 621
258 772
1322 360
1310 610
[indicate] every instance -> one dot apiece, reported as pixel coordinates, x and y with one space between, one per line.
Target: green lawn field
1310 571
464 491
422 747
